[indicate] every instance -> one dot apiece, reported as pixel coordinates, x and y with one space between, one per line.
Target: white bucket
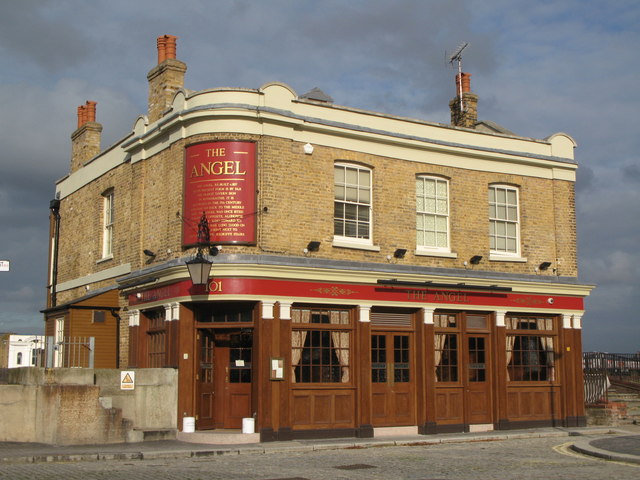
248 425
189 424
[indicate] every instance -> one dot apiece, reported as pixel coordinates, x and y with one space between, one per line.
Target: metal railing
601 369
69 352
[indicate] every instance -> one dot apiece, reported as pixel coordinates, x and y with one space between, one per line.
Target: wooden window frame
519 365
496 220
423 213
309 361
341 202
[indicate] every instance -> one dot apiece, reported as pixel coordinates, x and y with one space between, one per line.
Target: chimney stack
165 79
464 109
85 141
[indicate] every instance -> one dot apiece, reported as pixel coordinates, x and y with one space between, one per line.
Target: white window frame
108 214
501 213
425 213
354 241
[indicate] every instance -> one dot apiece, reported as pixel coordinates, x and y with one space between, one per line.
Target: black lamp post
199 267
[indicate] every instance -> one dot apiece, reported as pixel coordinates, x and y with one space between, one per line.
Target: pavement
610 443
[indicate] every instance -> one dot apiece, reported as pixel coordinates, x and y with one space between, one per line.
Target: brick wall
295 205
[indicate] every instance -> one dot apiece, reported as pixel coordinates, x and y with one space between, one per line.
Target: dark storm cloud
631 173
43 33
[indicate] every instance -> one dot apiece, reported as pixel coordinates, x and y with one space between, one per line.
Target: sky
538 68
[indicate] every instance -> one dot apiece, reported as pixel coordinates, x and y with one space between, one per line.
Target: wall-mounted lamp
475 260
312 246
400 253
544 265
308 149
148 253
199 267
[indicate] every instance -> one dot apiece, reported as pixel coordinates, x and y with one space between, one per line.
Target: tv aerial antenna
457 56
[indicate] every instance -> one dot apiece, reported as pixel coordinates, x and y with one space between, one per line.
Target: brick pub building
372 271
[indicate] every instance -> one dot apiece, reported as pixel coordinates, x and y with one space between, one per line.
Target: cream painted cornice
323 273
460 148
275 110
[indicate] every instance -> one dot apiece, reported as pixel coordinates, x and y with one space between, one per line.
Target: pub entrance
223 377
393 375
463 370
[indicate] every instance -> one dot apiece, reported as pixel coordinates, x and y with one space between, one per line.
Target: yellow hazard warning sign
127 380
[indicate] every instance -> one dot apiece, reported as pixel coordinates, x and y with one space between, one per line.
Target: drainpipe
54 206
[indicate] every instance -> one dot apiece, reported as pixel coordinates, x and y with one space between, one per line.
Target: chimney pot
91 111
170 48
86 113
166 47
80 116
162 44
466 83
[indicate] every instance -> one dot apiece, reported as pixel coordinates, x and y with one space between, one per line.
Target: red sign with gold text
220 180
357 293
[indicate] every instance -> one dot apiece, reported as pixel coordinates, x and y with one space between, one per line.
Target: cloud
538 68
631 173
43 34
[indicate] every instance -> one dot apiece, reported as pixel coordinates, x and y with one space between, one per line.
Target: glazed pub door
223 378
463 385
392 377
477 380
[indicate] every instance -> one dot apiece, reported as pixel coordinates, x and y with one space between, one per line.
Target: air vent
98 316
391 319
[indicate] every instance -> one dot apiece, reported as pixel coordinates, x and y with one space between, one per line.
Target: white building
22 350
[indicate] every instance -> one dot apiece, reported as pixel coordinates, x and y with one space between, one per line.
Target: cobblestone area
535 458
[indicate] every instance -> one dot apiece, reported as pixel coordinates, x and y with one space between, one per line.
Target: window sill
435 253
355 245
104 259
505 258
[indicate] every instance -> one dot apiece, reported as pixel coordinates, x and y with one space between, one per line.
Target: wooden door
393 379
236 350
477 380
206 398
463 382
224 378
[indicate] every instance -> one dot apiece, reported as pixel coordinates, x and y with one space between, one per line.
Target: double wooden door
463 383
223 377
392 379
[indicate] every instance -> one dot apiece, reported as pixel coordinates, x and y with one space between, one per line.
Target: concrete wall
85 406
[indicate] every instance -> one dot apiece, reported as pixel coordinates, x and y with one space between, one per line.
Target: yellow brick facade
295 205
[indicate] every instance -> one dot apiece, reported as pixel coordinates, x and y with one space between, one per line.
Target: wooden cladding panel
449 406
302 413
531 403
313 409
